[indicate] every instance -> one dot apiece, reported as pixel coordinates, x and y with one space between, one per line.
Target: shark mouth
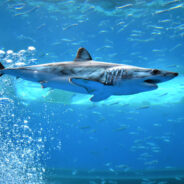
152 81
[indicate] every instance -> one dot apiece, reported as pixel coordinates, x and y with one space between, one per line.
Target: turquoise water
47 136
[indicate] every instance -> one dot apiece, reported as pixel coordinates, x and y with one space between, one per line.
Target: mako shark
84 75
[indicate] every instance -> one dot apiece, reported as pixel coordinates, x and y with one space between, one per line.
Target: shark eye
155 72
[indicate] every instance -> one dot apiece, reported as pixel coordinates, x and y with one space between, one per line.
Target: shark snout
158 76
171 74
175 74
165 73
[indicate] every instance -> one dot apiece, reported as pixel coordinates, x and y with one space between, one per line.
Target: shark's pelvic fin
83 55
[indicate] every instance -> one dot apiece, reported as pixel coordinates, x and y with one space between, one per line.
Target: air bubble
22 52
9 61
2 54
20 64
31 48
9 52
25 121
40 139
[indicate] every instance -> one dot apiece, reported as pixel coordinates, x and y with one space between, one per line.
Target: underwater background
52 136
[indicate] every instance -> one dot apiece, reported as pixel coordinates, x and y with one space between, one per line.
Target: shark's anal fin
83 55
92 87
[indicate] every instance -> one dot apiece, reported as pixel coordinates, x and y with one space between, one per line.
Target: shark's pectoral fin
99 97
90 85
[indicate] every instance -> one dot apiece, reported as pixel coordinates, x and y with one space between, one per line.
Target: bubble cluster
20 151
20 58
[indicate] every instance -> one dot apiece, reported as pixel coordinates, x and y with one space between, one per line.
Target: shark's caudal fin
82 55
1 68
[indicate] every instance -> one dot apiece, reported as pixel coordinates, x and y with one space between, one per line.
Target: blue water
42 129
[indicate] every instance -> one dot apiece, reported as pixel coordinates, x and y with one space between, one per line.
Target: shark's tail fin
1 68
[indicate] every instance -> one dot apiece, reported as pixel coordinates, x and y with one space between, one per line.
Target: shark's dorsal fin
83 55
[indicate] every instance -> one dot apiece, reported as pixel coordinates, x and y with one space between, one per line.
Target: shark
96 78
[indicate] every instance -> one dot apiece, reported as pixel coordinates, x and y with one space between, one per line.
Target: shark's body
100 79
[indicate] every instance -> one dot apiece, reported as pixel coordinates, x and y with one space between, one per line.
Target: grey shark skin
100 79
